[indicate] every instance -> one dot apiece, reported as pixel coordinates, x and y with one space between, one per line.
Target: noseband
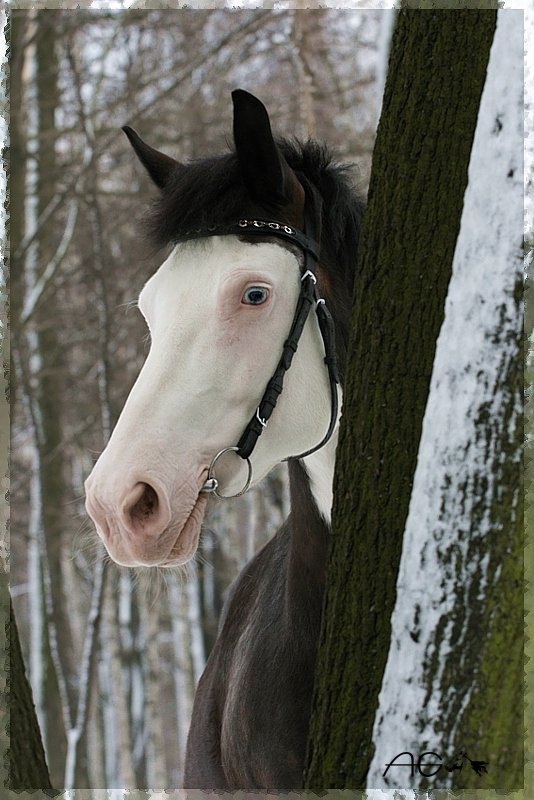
308 298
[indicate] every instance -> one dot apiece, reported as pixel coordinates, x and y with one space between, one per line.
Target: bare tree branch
35 294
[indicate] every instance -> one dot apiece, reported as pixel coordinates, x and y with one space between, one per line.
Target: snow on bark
453 456
387 24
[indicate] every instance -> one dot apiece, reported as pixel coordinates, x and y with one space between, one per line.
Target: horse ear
267 175
159 166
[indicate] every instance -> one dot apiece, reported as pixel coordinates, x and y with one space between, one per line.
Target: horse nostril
145 510
147 504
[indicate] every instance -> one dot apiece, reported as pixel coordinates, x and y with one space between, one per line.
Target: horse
255 297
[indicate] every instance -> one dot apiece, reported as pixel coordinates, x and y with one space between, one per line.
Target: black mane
210 191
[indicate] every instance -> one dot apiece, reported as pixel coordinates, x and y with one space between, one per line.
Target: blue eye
255 296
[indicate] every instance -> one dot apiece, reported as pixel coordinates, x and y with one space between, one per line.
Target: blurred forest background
114 655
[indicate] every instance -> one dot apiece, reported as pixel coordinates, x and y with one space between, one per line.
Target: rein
308 298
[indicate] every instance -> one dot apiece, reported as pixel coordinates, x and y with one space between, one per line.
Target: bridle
307 242
308 297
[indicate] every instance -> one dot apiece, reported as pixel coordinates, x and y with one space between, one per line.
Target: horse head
219 310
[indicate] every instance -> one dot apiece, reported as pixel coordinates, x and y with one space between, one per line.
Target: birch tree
436 74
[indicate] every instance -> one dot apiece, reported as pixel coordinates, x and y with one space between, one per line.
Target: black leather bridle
308 297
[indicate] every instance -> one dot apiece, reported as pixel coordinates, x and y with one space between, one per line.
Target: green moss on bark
492 722
436 74
480 680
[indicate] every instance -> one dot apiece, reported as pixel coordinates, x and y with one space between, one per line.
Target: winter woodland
114 655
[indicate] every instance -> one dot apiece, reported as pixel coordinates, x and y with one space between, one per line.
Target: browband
256 227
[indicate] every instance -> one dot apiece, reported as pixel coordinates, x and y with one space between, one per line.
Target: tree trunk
34 65
182 674
50 378
154 736
27 765
117 661
454 678
18 25
436 74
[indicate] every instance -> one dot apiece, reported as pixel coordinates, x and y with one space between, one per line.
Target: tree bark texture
454 678
436 73
27 764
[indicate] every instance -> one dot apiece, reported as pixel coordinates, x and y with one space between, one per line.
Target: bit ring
212 484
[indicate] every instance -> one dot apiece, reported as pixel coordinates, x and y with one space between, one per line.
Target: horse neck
310 482
320 470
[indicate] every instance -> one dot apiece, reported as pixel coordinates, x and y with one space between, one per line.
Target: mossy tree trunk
27 765
436 74
454 678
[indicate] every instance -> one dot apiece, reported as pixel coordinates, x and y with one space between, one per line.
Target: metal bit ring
212 484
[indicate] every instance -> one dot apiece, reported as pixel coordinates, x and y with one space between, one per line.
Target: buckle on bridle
309 274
